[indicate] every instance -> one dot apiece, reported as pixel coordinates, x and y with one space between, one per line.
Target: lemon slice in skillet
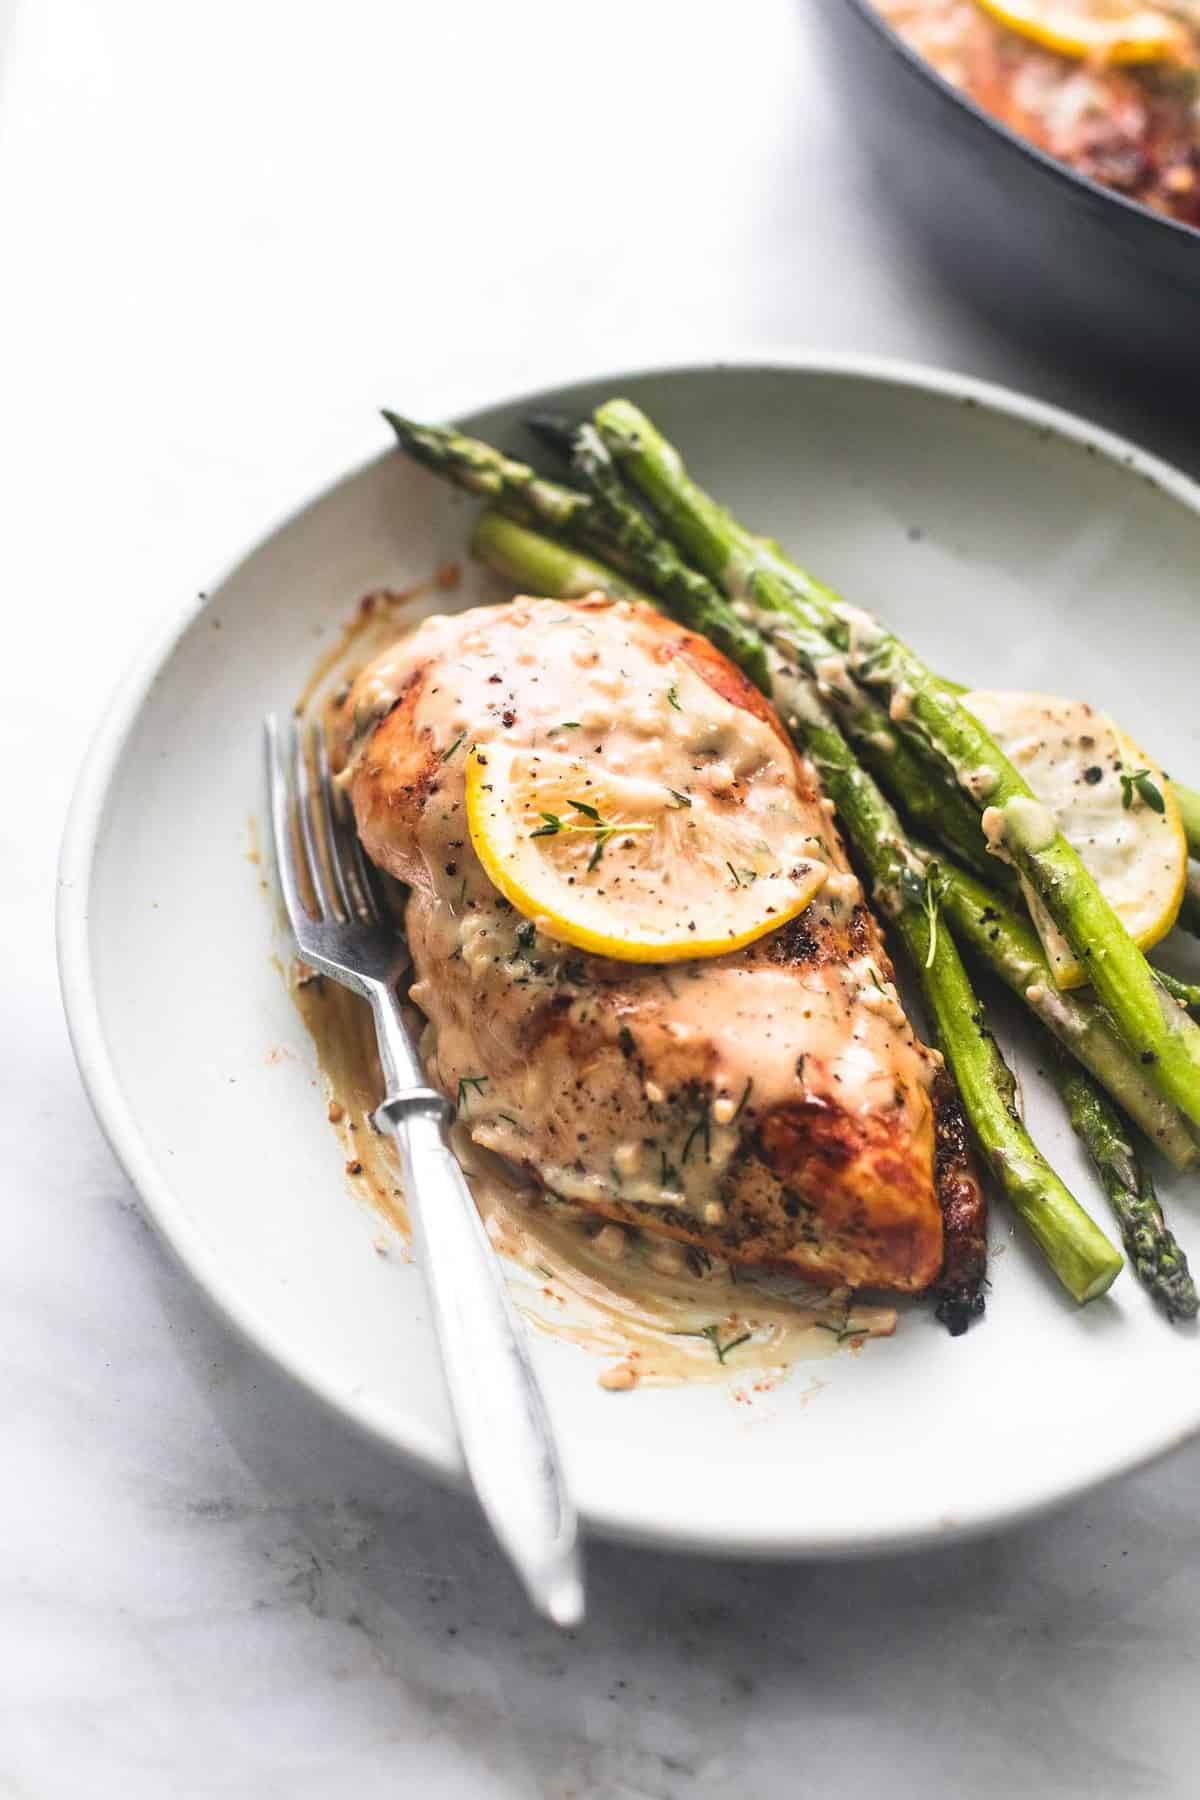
1100 31
1110 801
622 866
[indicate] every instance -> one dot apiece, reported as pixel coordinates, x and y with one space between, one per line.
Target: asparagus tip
555 430
402 427
1177 1301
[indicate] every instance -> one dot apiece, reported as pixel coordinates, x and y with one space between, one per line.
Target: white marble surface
229 232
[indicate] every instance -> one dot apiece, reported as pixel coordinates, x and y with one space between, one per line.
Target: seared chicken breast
772 1104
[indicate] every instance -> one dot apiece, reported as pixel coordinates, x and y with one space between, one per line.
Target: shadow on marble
1016 1657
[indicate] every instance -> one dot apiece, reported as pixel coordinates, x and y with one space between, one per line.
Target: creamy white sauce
900 704
1029 824
866 632
980 782
833 677
651 1312
994 829
1022 823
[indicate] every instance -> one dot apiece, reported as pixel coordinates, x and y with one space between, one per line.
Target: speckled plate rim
119 1123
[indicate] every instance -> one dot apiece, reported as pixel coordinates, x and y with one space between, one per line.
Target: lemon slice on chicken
1109 800
622 866
1100 31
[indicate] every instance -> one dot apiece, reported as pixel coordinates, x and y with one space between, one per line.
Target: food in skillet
1023 831
649 975
1111 87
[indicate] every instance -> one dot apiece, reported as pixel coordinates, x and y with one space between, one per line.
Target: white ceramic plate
1019 547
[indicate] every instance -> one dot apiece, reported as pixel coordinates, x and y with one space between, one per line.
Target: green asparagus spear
1157 1259
929 804
1188 802
518 491
1185 993
1002 938
772 591
1189 911
528 559
908 892
690 596
479 469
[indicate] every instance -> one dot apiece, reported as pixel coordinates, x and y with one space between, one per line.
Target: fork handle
503 1425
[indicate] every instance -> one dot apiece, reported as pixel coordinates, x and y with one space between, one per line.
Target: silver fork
342 929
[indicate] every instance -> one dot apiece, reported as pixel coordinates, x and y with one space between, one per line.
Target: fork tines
323 870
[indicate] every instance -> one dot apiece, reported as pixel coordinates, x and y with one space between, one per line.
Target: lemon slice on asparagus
1099 31
623 866
1109 800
